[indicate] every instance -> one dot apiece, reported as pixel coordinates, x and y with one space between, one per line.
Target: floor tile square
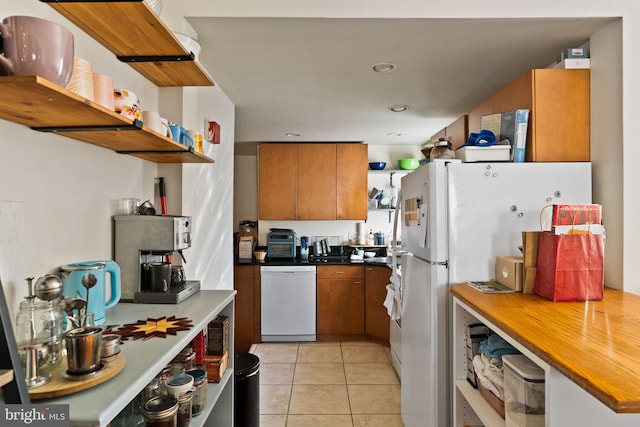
276 352
276 373
364 353
319 373
370 373
319 421
375 399
319 400
320 352
274 399
273 420
377 421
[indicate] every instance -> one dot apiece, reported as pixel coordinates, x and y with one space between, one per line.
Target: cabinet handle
357 282
339 272
369 268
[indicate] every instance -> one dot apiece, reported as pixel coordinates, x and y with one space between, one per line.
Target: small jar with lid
161 411
185 402
184 361
200 395
442 150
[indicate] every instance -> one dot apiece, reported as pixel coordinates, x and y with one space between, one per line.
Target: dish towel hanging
392 301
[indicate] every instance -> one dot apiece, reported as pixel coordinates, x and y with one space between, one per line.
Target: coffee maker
143 240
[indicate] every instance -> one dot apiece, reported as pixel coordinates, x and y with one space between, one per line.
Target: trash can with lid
247 390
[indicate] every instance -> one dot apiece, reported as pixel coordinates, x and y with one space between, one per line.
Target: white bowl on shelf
190 44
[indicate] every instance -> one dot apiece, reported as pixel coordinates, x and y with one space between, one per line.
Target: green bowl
409 164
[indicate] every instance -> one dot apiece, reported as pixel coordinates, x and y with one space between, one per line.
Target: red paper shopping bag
570 267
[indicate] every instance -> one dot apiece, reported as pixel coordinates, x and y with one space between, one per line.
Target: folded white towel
392 303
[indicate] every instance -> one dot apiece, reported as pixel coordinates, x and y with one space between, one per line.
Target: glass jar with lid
161 411
184 361
442 150
200 395
185 402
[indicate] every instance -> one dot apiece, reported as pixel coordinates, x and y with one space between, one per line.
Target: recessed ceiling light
394 134
292 134
383 67
398 108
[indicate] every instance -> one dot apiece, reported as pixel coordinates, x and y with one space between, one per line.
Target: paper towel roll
360 231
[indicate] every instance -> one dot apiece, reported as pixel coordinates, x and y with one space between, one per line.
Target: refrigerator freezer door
490 204
424 343
424 198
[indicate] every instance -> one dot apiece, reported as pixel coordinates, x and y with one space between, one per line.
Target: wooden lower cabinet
376 279
246 282
340 300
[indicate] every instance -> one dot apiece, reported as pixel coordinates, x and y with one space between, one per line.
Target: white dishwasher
288 303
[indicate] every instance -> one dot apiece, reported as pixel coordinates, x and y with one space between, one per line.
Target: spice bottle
200 393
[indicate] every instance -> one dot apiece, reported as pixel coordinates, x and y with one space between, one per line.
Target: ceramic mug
81 81
179 134
196 137
153 121
103 91
127 104
33 46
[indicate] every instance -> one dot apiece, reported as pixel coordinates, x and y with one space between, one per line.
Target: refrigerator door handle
445 263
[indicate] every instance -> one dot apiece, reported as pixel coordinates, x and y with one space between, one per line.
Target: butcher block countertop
596 344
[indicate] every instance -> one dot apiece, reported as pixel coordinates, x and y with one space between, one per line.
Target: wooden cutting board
59 385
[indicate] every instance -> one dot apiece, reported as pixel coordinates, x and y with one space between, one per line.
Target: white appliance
288 303
456 218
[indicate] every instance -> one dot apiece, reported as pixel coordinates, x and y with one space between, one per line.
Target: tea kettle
95 294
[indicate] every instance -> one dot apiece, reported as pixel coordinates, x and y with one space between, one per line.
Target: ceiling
313 76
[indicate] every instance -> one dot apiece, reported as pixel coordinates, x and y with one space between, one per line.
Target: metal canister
161 411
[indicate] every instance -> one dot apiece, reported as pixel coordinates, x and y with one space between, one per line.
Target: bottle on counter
371 240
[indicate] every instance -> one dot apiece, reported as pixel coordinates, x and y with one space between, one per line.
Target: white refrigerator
456 218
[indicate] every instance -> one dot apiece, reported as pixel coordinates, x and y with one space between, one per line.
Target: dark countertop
320 261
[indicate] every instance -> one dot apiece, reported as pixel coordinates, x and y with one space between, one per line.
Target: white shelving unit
470 408
99 405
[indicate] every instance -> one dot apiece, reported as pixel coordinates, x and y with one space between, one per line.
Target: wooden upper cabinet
312 181
351 173
559 113
317 181
277 181
458 131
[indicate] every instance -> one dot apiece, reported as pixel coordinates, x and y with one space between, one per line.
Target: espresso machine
141 241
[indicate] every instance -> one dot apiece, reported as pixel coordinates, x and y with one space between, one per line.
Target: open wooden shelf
42 105
136 35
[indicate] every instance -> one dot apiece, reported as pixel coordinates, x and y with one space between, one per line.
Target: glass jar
184 361
39 338
200 394
184 408
442 150
161 411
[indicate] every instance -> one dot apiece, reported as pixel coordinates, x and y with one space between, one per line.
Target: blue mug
179 134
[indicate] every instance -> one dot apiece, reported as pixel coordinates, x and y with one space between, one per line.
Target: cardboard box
245 248
509 271
218 336
577 52
215 366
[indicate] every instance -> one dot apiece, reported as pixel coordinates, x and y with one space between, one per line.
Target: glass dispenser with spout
39 336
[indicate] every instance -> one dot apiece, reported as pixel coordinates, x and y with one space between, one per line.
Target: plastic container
523 392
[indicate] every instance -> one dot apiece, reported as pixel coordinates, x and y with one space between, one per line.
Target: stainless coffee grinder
144 246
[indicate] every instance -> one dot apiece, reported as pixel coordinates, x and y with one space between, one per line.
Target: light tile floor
327 384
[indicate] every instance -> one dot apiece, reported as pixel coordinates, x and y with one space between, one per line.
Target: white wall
66 191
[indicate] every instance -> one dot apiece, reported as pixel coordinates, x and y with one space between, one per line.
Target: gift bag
570 267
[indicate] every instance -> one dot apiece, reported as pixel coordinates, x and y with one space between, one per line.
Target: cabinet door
317 182
277 181
351 175
376 318
247 308
340 306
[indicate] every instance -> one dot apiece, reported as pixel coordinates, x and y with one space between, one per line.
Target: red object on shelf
213 133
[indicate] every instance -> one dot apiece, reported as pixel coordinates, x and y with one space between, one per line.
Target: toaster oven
281 244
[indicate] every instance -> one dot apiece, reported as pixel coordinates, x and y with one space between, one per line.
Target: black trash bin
247 390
